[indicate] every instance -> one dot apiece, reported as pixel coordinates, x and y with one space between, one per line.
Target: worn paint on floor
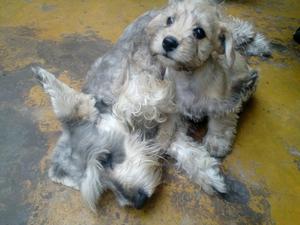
263 171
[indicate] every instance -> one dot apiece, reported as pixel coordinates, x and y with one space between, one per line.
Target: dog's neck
204 81
185 69
193 69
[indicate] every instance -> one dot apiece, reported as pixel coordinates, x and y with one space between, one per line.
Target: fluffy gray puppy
205 52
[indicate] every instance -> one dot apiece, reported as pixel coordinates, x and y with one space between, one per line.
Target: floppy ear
155 24
225 45
68 104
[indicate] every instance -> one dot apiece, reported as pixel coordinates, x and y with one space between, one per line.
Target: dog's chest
195 92
200 86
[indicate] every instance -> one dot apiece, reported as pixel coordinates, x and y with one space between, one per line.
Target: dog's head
96 152
110 158
187 33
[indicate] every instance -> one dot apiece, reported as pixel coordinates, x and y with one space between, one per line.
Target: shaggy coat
205 52
128 114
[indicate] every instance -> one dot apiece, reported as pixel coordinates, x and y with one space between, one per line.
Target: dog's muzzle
140 199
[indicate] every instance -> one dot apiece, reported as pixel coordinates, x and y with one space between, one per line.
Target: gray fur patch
108 69
116 153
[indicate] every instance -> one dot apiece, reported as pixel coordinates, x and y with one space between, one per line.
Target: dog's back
107 73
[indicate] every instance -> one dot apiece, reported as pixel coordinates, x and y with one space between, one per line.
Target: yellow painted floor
66 37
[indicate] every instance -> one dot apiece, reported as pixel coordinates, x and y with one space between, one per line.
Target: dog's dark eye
106 160
199 33
170 20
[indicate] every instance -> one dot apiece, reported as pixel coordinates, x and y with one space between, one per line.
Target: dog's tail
247 40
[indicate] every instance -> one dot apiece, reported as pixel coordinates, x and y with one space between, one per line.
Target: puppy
96 151
201 47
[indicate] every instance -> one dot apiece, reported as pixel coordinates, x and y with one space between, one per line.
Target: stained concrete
66 37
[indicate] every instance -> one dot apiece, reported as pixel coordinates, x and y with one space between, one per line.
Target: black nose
140 199
169 43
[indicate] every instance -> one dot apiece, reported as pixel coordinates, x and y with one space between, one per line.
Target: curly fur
96 151
134 88
145 99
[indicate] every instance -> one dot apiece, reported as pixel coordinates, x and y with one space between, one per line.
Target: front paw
217 146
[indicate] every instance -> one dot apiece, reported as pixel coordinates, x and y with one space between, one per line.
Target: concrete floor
66 37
